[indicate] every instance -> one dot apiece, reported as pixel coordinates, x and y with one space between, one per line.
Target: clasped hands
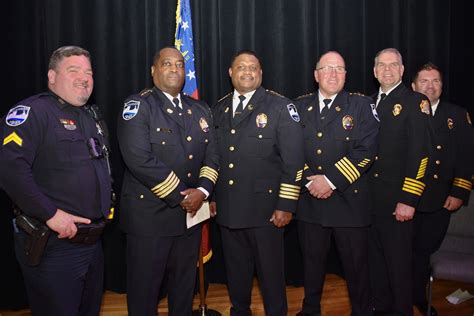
319 187
193 199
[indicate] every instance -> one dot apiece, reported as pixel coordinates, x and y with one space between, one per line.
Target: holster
88 233
38 234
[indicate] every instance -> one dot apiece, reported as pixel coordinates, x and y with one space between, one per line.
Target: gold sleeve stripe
163 189
289 186
299 175
306 167
13 137
209 173
288 197
462 183
413 186
363 163
422 168
348 169
295 191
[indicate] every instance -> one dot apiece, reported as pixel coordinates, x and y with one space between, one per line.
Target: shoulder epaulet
145 92
357 93
228 94
304 96
274 93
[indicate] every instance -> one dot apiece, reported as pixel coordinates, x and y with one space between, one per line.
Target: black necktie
176 104
325 108
240 107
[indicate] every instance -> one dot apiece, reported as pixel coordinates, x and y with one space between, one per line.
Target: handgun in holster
38 234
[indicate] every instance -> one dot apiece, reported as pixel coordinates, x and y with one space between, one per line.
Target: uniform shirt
165 153
341 146
45 161
398 173
261 159
450 167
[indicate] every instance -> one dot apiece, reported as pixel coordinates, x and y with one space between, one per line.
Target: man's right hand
65 224
213 208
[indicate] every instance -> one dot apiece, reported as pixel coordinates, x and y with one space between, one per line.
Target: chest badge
397 108
189 111
68 124
310 108
348 122
337 108
450 123
261 120
425 107
203 124
226 110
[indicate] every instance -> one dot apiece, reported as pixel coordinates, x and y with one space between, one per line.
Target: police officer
53 167
168 147
396 180
340 132
261 159
448 183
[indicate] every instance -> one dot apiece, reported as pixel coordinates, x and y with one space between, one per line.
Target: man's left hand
404 212
192 201
281 218
452 203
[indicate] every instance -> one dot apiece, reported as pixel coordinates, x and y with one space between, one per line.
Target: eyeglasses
390 66
329 69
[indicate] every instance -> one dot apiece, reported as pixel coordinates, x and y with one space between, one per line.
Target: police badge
425 107
203 124
261 120
397 108
348 122
450 123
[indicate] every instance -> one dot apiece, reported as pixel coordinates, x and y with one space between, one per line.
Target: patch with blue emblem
293 112
17 115
130 109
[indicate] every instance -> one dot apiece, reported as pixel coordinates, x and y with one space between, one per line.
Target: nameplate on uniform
202 214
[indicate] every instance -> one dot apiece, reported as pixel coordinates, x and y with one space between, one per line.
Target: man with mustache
53 166
168 147
449 178
261 157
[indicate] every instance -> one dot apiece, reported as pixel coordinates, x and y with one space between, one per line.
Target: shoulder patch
274 93
230 93
17 115
145 92
293 112
304 96
130 109
425 107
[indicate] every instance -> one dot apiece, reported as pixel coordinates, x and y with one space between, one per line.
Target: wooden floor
335 300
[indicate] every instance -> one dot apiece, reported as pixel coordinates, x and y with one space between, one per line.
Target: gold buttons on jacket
231 165
439 147
141 196
189 174
376 157
231 148
320 168
376 175
319 151
190 157
260 136
270 191
189 138
163 143
435 176
356 191
231 182
319 134
232 131
438 162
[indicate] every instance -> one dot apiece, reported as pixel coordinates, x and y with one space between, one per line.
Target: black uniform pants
352 244
68 281
428 234
390 263
149 259
259 248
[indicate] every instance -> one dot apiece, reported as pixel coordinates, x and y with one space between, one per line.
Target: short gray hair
388 50
66 51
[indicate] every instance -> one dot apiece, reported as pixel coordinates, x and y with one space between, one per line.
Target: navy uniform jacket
398 173
164 153
342 147
45 162
450 166
261 159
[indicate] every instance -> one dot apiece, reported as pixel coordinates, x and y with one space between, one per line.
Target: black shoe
424 310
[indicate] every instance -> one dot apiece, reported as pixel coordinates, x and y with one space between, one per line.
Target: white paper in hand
458 296
202 214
